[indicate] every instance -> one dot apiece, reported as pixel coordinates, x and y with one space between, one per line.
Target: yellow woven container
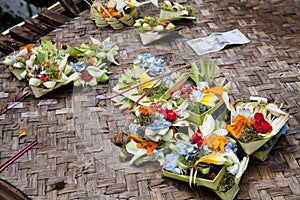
115 23
97 16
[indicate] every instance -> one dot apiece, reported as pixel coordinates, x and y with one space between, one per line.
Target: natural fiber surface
74 127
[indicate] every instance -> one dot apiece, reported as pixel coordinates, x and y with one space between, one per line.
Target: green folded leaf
95 72
49 84
63 63
41 57
74 52
183 136
195 71
48 46
95 41
103 78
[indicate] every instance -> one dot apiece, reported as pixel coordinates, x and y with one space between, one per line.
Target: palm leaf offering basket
213 184
105 17
218 111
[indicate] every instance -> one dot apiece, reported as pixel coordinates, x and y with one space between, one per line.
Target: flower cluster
152 24
153 127
201 152
157 122
174 11
51 64
153 66
205 140
148 75
256 120
201 98
113 13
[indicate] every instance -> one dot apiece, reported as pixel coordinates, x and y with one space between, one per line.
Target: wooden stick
145 94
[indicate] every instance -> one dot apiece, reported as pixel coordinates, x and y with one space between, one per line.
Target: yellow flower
144 79
216 159
209 100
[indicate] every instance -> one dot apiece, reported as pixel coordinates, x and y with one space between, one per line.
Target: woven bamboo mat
74 127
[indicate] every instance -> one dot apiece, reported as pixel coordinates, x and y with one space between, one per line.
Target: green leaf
207 70
89 53
95 41
122 155
183 136
220 81
73 51
211 71
195 71
155 3
103 78
126 105
48 46
41 57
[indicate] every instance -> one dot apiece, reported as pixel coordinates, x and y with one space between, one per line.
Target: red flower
170 115
86 77
43 78
260 124
197 138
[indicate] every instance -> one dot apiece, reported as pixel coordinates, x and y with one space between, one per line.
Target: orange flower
205 89
150 110
45 63
143 110
218 90
92 60
144 144
28 47
114 13
238 125
220 143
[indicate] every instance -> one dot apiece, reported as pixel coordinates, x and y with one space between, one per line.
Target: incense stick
145 94
131 88
20 153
